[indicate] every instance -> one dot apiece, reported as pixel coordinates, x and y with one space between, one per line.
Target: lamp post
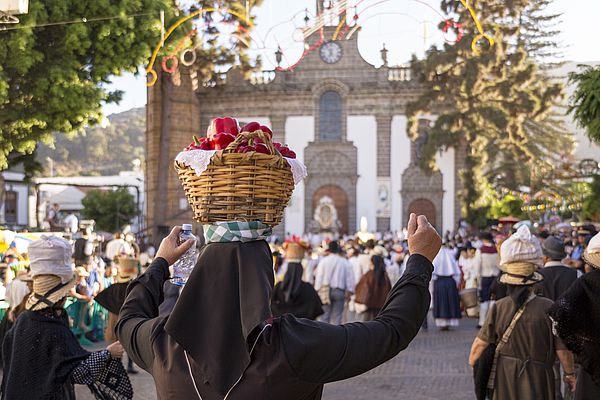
278 56
384 55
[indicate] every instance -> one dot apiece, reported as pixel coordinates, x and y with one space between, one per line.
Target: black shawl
113 297
295 296
576 316
224 300
39 354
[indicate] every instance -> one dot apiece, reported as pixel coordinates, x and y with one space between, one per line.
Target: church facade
343 117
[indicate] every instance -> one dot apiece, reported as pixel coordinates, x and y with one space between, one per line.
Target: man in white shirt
117 246
335 272
71 223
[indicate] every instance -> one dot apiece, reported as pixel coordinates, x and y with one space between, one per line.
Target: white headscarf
444 264
51 255
521 246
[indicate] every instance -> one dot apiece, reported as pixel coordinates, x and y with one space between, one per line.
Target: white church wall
400 159
298 132
362 131
445 162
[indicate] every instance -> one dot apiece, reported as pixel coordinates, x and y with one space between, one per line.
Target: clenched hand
423 239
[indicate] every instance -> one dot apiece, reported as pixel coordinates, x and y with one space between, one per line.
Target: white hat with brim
591 255
520 274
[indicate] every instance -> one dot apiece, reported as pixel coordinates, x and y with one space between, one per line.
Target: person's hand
170 250
571 381
115 349
423 239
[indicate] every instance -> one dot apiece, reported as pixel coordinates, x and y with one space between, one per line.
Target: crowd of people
519 277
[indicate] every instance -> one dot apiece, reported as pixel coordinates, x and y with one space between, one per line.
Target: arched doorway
423 207
340 200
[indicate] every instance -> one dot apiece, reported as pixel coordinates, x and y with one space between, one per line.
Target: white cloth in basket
198 160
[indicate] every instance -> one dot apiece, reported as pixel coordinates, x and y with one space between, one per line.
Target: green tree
585 102
495 106
110 209
506 206
53 77
591 204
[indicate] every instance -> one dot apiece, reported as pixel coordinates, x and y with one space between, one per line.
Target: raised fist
423 239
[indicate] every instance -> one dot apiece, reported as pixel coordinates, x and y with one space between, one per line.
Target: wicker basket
239 186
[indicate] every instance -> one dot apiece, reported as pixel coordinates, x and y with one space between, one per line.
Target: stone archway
423 207
340 200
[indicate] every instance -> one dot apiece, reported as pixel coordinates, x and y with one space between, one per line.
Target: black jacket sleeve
139 315
319 352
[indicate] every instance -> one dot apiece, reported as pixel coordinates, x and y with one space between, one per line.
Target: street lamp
278 55
384 54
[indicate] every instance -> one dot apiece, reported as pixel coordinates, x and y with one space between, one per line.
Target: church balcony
262 77
399 74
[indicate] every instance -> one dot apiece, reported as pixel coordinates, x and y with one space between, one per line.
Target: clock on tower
330 52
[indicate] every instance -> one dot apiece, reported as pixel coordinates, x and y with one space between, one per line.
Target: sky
405 26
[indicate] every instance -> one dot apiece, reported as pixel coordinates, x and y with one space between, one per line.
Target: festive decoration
475 43
344 31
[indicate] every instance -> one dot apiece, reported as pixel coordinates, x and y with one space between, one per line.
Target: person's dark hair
370 244
487 236
379 269
333 247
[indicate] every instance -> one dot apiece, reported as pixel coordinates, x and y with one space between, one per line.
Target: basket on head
239 186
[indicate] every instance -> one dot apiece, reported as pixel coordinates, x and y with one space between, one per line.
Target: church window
330 116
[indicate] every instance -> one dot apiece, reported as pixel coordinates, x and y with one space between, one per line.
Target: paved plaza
434 366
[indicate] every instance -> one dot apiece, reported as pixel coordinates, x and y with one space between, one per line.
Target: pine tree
495 106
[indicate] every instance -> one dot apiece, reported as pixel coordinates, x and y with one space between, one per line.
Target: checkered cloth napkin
236 231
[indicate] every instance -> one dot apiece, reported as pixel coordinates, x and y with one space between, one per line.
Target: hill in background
98 150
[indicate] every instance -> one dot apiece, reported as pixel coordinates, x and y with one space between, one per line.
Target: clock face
330 52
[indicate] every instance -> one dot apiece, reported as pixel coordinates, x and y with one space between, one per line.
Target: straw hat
81 271
520 255
591 255
127 269
53 274
295 248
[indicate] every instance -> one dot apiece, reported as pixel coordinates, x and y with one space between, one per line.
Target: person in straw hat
293 295
221 341
576 317
523 367
42 358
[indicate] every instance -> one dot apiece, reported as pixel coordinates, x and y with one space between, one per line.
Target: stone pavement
434 366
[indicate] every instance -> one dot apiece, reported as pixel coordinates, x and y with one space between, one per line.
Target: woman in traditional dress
576 317
221 340
446 301
42 358
525 363
294 296
372 289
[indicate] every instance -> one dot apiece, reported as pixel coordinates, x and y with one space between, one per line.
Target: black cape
294 296
39 354
113 297
232 310
576 316
557 279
